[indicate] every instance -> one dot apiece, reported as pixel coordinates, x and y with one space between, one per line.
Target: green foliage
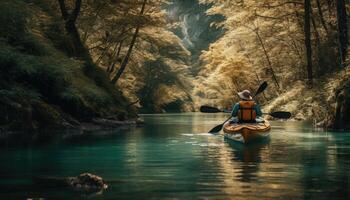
163 90
13 20
13 29
15 106
8 65
44 74
30 45
39 84
45 115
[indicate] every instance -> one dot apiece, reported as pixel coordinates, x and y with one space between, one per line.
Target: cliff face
189 21
40 86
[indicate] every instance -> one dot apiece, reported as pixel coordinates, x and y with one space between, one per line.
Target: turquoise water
172 156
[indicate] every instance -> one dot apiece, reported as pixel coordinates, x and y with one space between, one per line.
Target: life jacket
246 112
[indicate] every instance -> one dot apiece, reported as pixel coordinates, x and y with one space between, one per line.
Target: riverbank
43 86
326 104
79 128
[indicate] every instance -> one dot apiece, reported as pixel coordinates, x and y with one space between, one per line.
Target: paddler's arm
235 109
258 110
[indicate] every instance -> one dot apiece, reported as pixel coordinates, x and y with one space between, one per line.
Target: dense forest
64 62
299 46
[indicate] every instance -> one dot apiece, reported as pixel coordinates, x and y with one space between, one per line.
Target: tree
124 36
70 18
342 29
132 43
307 11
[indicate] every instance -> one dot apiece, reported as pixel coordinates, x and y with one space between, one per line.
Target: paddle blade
281 115
262 87
209 109
216 129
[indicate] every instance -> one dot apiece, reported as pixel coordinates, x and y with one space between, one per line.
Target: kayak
247 132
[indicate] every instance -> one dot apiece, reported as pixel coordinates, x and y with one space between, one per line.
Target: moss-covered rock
87 183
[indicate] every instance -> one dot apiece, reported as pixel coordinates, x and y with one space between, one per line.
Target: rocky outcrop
342 109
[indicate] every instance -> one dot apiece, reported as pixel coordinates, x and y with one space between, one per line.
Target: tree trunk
127 57
110 69
318 41
256 74
342 30
307 9
267 58
320 14
128 54
78 48
112 66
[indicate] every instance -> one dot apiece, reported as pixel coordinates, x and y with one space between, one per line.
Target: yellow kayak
247 132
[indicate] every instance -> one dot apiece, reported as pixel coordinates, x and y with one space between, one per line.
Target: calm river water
172 157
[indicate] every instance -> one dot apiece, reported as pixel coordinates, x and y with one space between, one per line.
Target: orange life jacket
246 112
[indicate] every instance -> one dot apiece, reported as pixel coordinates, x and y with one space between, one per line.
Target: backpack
246 112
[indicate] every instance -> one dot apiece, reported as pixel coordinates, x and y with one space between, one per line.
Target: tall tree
132 43
70 18
342 29
307 10
256 31
320 13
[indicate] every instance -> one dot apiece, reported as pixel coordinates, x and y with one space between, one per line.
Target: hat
245 95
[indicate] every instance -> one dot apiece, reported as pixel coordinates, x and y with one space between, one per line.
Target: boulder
87 183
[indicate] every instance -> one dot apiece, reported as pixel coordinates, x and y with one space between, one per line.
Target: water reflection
250 156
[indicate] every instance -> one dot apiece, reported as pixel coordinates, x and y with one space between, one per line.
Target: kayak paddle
278 114
209 109
218 128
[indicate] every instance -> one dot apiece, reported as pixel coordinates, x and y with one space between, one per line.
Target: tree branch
282 4
63 9
274 18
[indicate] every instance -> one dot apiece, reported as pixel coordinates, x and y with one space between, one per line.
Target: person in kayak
246 110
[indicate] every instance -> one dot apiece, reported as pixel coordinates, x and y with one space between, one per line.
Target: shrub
12 20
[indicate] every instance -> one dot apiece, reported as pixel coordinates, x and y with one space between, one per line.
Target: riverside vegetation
46 80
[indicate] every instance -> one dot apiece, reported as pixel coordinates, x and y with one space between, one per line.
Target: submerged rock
87 183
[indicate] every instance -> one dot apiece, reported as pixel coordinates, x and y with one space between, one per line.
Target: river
172 156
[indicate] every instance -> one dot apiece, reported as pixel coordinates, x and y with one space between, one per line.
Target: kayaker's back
246 112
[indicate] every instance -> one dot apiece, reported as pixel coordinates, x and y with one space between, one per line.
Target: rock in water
88 183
